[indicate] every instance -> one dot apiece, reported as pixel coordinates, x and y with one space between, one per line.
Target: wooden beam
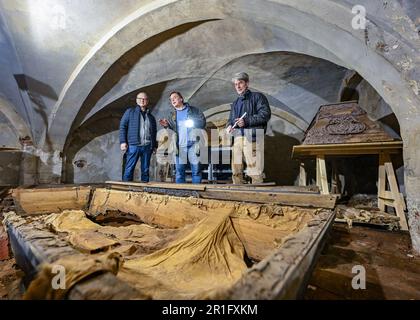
288 195
392 198
302 174
398 200
297 189
322 174
10 149
164 185
347 148
284 198
387 195
267 186
188 186
227 185
381 182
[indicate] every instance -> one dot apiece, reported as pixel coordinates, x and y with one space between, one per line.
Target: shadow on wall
81 137
305 71
279 166
391 121
36 90
123 66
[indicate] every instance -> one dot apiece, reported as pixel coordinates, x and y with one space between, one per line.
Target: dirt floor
10 280
392 270
10 273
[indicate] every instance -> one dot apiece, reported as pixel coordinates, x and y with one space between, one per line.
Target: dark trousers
132 155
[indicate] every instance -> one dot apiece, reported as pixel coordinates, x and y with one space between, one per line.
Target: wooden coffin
282 259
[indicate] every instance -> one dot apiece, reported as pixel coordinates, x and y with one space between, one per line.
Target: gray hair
241 76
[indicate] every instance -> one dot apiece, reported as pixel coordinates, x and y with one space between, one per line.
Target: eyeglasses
142 98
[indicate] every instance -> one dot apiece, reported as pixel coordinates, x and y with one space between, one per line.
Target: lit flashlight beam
189 123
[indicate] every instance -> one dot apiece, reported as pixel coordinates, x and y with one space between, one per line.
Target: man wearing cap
249 115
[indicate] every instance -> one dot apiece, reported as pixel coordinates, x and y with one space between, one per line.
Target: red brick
4 245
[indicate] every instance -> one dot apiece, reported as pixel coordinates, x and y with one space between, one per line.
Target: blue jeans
133 154
187 155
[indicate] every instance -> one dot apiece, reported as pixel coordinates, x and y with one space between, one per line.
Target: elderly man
183 119
138 137
249 112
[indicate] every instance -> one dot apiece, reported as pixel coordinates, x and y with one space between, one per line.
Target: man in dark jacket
138 137
183 120
248 119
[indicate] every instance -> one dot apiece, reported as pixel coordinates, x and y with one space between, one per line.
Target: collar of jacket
186 105
147 109
245 95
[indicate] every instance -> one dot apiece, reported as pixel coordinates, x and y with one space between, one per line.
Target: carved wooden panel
344 122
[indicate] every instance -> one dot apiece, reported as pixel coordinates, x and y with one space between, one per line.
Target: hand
154 150
229 129
163 122
241 122
123 146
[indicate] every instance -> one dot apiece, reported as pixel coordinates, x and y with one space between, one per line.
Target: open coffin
133 244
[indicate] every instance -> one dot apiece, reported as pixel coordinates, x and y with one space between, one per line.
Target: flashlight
236 123
189 123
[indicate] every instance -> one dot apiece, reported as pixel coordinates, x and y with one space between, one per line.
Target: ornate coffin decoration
344 122
345 125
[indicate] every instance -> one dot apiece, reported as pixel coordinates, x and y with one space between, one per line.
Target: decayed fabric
89 237
208 259
194 262
290 219
82 232
377 217
76 268
70 221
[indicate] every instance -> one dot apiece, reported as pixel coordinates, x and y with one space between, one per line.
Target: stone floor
392 270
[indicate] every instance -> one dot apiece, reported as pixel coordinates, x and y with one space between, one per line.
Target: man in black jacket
248 119
138 137
183 120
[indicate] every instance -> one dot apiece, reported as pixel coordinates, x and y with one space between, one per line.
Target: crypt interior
70 69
